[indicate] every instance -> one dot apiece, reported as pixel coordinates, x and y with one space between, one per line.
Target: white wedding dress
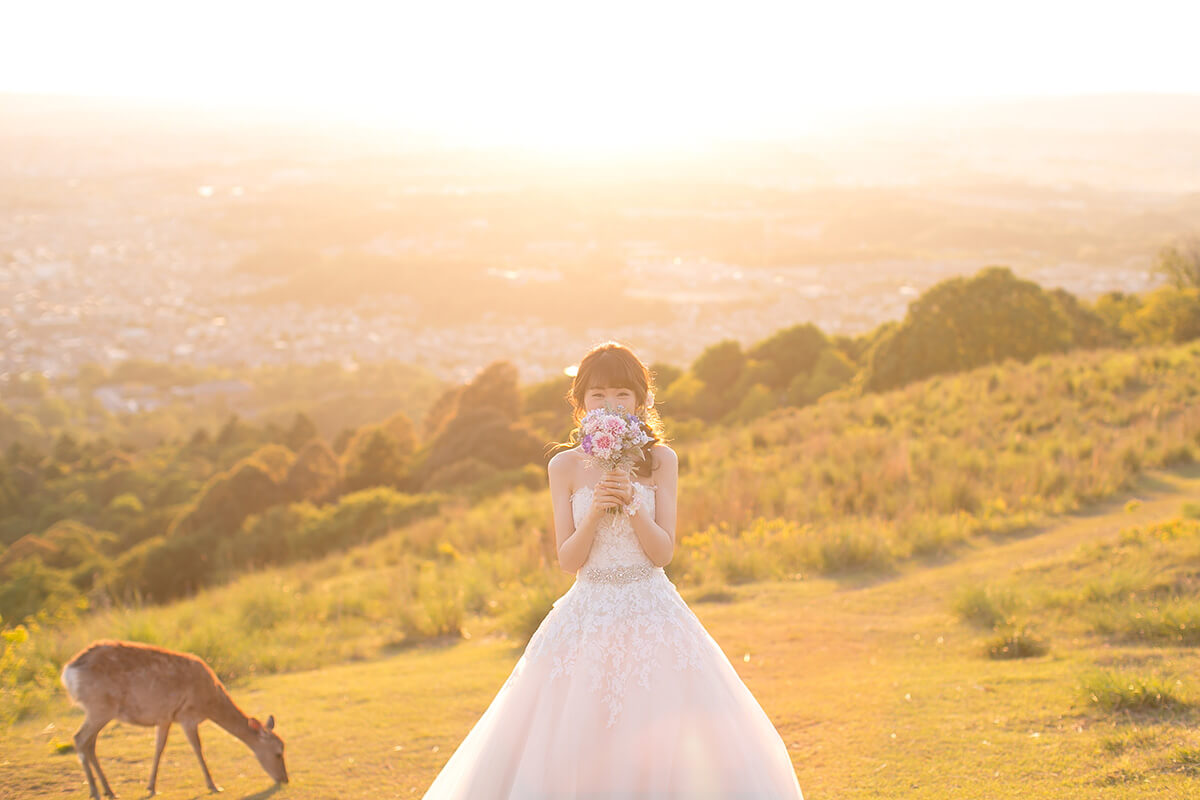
620 693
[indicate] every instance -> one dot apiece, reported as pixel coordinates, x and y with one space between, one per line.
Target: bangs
610 370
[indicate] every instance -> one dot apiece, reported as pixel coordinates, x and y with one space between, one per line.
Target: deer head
268 748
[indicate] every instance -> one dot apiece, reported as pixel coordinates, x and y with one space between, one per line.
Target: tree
1088 328
832 371
402 441
302 431
485 434
496 386
792 351
546 408
682 397
276 459
343 439
758 400
401 428
441 412
1180 262
720 375
378 461
10 495
963 323
315 475
22 455
199 441
720 365
664 374
1169 315
548 395
1117 309
250 486
234 432
29 586
458 474
66 449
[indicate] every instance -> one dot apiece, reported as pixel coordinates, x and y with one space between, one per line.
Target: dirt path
922 587
840 684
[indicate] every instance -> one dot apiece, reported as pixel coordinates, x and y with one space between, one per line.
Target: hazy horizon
550 77
455 173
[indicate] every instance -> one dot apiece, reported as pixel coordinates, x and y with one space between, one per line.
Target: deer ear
271 722
255 725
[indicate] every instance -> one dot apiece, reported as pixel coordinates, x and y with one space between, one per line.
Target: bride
621 692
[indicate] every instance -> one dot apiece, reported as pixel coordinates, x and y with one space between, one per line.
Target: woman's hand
619 483
604 499
614 491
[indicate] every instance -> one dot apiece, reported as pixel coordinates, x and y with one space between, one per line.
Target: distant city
104 291
102 272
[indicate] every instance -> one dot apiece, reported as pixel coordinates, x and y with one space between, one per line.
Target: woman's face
596 396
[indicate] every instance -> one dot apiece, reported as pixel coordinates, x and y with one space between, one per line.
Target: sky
613 73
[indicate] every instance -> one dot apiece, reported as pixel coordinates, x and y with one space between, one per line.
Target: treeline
173 399
105 522
98 521
956 325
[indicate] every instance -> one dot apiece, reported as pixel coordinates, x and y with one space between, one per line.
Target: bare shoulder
664 456
563 459
562 464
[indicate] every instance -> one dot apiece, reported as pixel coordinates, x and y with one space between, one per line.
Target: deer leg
158 751
91 746
85 748
193 736
99 772
86 762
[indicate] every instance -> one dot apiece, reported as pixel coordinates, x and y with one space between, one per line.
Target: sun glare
581 78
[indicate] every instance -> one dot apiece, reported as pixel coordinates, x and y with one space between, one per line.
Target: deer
142 684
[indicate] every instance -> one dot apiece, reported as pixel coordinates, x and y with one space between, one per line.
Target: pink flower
604 441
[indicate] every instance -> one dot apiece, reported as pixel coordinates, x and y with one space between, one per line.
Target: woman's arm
574 544
657 533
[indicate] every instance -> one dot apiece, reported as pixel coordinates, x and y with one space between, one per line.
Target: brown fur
146 685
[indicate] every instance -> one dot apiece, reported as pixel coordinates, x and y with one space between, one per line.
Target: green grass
1130 740
1188 759
1015 642
1171 621
983 606
872 572
877 685
1127 691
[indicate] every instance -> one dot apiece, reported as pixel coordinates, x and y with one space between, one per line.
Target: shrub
1117 691
983 606
1174 620
1015 642
530 602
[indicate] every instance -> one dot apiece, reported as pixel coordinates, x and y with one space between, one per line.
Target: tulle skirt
681 723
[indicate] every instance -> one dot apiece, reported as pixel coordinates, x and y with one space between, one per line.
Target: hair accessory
649 400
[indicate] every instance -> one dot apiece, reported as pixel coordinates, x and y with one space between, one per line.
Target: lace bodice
622 629
616 543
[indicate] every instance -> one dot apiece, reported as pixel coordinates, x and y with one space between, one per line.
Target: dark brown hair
612 364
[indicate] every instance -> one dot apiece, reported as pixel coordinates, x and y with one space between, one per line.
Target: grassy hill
835 544
878 686
106 524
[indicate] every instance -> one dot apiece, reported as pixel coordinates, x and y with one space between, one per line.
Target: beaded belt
621 574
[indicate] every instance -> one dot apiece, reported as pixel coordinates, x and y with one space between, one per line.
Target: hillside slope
875 685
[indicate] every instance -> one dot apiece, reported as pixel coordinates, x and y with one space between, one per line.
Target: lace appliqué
616 632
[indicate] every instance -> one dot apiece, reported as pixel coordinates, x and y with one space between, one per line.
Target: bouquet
613 439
